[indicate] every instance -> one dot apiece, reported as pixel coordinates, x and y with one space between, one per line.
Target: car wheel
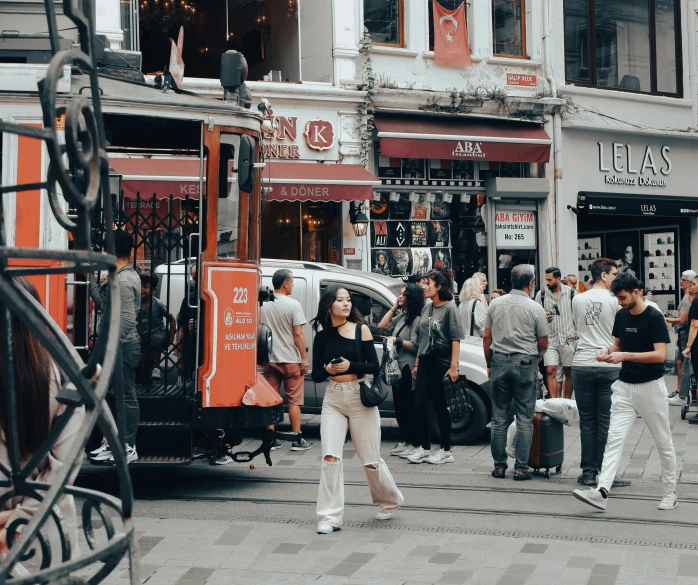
468 429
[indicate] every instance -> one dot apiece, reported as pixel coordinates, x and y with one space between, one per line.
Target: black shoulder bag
472 317
375 394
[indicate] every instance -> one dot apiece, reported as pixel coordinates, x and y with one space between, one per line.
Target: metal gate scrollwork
77 178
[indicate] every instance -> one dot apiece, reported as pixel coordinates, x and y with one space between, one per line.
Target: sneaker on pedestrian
407 452
103 447
224 459
326 528
669 501
440 457
676 401
383 514
419 455
399 447
300 445
672 394
592 497
130 452
275 445
587 478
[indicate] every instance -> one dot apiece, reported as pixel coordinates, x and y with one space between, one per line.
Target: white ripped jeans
649 401
342 409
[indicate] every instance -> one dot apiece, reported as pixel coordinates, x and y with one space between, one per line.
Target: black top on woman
338 317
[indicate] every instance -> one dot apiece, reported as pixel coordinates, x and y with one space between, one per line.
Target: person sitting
37 382
155 336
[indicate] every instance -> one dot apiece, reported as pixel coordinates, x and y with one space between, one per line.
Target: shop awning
296 181
457 138
159 177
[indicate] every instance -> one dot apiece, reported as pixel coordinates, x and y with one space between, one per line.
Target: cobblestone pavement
199 552
216 543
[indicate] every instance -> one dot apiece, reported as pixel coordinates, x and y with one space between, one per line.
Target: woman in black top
343 351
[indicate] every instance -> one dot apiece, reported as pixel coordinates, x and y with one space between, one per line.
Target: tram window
229 199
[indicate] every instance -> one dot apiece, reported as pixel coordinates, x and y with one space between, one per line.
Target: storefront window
509 29
383 19
606 44
301 230
129 24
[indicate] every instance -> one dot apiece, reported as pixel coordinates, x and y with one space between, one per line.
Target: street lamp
358 219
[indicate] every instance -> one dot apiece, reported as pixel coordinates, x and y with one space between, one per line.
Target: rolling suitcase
548 444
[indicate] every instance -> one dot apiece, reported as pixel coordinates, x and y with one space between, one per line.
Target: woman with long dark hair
440 331
37 380
401 322
343 351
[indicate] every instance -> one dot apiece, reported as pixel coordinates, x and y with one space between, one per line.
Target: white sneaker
592 497
440 457
326 529
407 452
419 455
669 501
224 460
399 447
383 515
104 454
131 454
676 401
103 447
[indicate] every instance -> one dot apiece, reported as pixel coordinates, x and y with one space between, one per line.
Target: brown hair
33 376
601 266
444 279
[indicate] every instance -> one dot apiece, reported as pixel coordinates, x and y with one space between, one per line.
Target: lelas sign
282 142
625 166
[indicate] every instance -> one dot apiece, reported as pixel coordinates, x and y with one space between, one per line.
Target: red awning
159 177
457 138
296 181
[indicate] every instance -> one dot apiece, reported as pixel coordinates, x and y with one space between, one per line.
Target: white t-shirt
282 315
594 313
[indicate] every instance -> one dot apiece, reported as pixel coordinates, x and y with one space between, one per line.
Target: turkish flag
451 37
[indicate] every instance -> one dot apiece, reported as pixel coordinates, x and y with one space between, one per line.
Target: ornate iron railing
77 175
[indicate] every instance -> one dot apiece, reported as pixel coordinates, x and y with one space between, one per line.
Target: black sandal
499 472
519 476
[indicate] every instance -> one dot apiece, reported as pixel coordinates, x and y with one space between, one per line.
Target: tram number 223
240 295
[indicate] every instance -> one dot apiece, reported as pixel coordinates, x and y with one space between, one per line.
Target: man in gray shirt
516 337
288 363
130 355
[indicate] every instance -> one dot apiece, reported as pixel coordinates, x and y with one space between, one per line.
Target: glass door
515 241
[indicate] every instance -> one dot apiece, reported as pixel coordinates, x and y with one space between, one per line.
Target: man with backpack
556 299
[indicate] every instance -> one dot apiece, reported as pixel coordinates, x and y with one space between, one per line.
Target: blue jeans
592 388
129 358
514 380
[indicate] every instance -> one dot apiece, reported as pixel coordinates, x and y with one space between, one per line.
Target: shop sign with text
515 228
644 167
296 138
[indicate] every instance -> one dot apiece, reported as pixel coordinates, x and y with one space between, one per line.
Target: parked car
375 295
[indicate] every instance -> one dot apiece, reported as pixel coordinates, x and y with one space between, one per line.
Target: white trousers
649 401
342 409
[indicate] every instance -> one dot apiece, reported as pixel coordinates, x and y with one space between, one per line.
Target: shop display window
659 257
588 250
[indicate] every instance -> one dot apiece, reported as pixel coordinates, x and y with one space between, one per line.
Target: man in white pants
641 338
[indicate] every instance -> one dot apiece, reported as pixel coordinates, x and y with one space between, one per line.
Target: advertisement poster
441 259
401 209
402 262
381 261
399 234
421 260
515 229
419 233
379 234
439 234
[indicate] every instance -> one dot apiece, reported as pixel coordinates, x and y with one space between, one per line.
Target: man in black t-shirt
641 338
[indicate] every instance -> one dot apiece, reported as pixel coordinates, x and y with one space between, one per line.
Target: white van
375 295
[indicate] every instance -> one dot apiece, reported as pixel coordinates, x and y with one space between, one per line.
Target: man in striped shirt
556 299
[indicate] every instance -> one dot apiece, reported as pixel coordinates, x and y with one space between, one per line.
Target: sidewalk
639 461
195 552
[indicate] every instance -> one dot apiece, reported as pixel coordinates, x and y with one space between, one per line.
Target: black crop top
330 345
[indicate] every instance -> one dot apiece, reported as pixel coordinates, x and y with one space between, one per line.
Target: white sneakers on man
592 497
399 447
669 501
407 452
676 401
440 457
